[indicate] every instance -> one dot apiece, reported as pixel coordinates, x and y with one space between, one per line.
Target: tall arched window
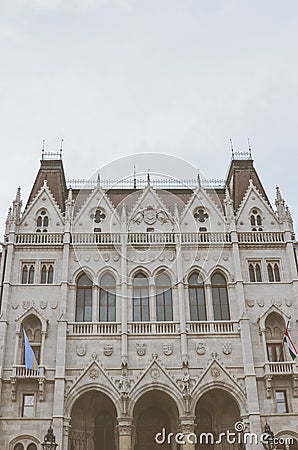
197 304
256 220
164 306
140 298
220 297
275 329
32 327
84 299
107 299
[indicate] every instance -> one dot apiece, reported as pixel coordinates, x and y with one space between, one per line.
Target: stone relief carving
43 304
200 348
215 372
108 349
94 373
81 349
167 349
150 216
227 348
141 349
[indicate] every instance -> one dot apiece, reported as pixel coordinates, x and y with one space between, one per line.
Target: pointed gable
51 170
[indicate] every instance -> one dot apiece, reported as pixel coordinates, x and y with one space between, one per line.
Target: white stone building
148 309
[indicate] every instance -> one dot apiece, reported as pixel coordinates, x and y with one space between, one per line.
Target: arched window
273 271
275 329
31 447
197 304
254 269
220 297
28 274
140 298
256 220
164 306
107 299
84 299
18 447
32 327
47 274
42 221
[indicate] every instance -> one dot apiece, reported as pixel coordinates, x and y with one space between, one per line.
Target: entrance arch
93 423
216 412
153 412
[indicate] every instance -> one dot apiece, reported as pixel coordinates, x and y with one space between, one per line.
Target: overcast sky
116 77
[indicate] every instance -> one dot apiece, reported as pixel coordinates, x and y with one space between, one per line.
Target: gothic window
164 306
28 270
84 299
220 297
42 221
98 216
281 401
32 327
201 215
107 299
31 447
254 268
28 405
196 292
274 333
273 271
256 220
47 273
18 447
140 298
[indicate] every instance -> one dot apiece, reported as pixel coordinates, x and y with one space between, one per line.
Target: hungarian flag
291 346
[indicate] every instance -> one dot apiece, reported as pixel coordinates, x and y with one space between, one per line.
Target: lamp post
268 438
49 441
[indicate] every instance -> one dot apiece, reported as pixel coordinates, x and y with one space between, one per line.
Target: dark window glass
44 271
270 272
164 306
276 272
252 273
18 447
196 294
25 275
107 299
31 275
220 297
50 274
275 352
84 299
31 447
258 272
140 298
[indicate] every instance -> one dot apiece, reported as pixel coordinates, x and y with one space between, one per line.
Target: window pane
251 273
194 280
31 275
281 402
43 279
51 275
270 272
163 280
24 275
258 273
32 447
276 272
28 405
18 447
84 281
218 279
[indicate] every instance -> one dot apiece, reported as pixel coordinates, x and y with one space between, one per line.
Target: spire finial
98 178
148 177
134 178
61 147
232 149
199 178
249 148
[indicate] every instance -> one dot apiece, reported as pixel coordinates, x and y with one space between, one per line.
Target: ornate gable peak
197 194
252 188
103 198
44 188
31 311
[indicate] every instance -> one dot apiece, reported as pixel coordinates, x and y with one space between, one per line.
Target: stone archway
93 423
153 412
216 412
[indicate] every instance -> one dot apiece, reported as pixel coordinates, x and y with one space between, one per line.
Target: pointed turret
69 207
280 205
17 206
8 221
228 206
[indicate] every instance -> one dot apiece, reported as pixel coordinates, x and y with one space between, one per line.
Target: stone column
95 312
152 304
125 428
181 299
187 437
209 302
66 429
124 298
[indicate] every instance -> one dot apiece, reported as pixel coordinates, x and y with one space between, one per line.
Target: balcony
93 328
22 372
39 238
213 327
153 328
279 368
261 237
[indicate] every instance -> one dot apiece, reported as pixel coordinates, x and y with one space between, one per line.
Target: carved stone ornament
81 349
250 303
215 372
141 349
288 302
108 349
26 304
94 373
150 215
261 303
201 349
15 305
227 348
155 373
167 349
43 304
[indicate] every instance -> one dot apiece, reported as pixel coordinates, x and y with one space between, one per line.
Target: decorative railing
89 328
39 238
96 238
214 327
153 327
23 372
151 238
205 238
257 237
279 368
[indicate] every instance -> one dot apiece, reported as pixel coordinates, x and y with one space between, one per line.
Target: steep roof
51 170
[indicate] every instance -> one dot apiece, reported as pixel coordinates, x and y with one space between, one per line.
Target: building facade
156 315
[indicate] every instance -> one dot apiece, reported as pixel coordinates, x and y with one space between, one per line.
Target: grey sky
115 77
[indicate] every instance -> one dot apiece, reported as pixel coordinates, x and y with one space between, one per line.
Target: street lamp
268 438
49 441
